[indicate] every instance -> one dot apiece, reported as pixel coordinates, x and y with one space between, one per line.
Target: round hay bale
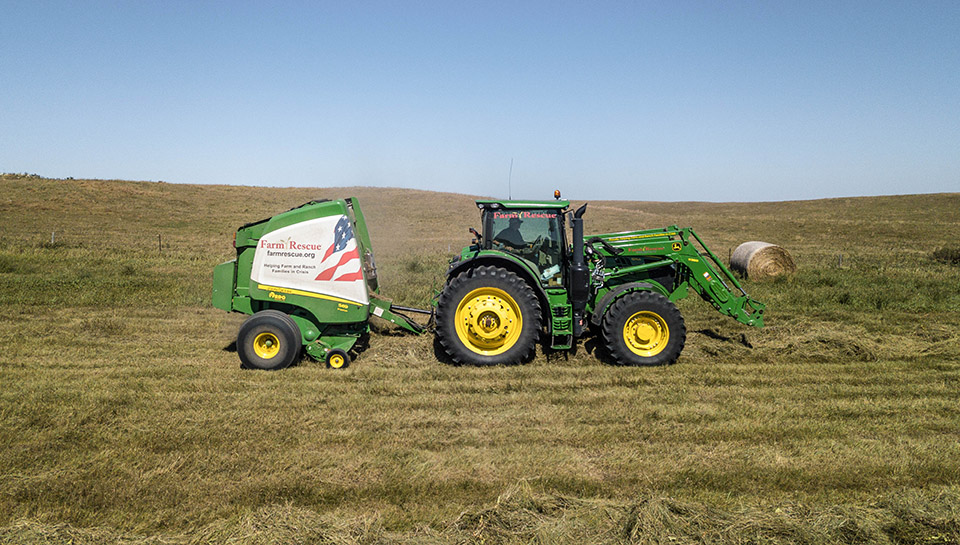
757 260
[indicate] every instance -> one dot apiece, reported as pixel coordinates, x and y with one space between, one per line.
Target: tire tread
281 324
491 276
629 304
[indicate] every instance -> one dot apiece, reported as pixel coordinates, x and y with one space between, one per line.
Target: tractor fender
615 293
513 265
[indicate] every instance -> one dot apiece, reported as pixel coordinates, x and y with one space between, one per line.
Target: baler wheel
268 340
644 328
337 359
487 316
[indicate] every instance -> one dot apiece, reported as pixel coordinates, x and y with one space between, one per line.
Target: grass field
124 415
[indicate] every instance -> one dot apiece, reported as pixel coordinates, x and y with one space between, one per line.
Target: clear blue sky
605 100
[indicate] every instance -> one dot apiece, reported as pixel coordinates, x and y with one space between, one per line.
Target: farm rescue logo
318 256
288 244
523 215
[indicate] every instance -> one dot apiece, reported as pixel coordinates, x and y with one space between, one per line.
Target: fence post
159 244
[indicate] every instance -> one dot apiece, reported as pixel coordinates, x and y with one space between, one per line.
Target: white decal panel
316 256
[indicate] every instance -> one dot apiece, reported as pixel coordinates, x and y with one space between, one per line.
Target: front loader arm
713 286
703 272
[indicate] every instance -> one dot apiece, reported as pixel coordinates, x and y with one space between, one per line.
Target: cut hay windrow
758 260
524 515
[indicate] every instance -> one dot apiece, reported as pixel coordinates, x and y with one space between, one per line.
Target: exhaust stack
579 273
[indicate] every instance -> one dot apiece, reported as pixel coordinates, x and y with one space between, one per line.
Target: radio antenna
510 182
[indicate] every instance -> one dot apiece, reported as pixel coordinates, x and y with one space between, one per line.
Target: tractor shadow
741 338
552 354
593 344
590 343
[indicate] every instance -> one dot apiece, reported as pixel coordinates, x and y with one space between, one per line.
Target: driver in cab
511 235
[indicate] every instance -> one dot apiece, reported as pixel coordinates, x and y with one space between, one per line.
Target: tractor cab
530 230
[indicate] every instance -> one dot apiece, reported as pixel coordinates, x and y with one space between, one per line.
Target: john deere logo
677 246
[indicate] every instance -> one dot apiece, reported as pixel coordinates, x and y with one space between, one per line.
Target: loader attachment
715 287
694 265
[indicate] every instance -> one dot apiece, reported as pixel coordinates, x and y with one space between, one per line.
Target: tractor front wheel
644 328
268 340
486 316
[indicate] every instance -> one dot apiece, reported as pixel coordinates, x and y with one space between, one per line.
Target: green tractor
521 277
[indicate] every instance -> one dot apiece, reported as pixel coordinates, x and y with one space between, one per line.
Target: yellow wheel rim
646 333
337 361
266 345
489 321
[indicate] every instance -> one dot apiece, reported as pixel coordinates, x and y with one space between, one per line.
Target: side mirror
476 234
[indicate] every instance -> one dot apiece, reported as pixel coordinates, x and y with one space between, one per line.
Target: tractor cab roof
523 205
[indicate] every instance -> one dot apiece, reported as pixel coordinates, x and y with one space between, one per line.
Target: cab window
534 235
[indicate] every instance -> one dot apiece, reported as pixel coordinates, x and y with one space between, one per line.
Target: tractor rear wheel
268 340
487 316
644 328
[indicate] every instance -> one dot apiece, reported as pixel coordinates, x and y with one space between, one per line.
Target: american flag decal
338 261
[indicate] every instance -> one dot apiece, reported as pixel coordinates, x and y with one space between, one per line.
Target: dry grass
124 416
521 515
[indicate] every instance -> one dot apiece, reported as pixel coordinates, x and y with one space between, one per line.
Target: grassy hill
124 415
